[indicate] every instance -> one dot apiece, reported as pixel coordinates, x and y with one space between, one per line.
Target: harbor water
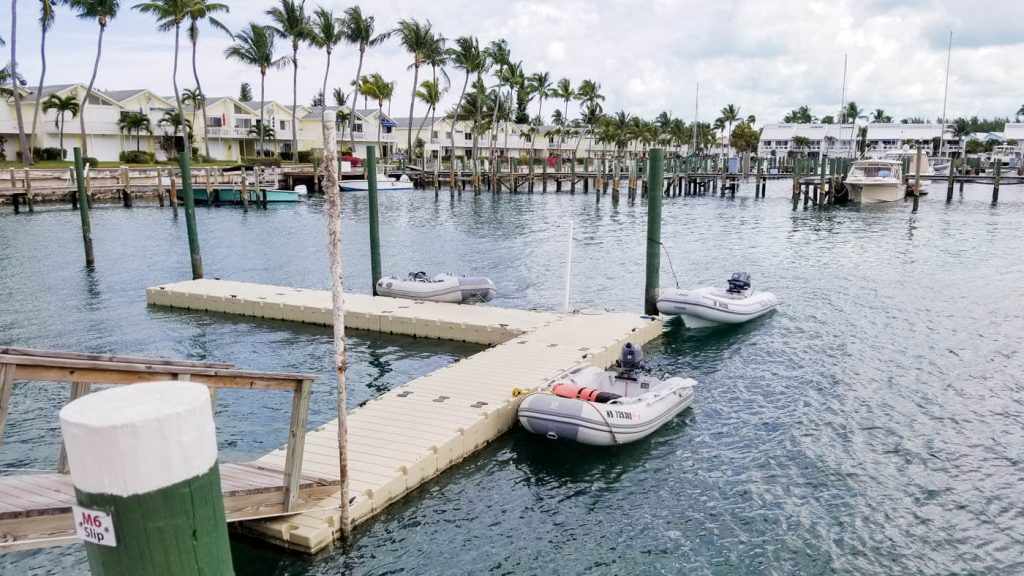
872 425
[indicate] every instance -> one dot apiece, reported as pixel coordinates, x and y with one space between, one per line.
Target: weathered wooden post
143 460
949 180
243 194
83 208
652 281
172 192
995 184
371 177
917 177
190 215
337 307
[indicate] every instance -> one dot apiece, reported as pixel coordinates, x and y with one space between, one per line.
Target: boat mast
842 101
696 104
945 94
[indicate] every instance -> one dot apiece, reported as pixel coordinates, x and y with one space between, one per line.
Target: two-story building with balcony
785 139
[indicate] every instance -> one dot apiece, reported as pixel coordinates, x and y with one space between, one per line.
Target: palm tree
326 34
46 17
539 84
729 114
513 77
801 143
376 87
169 15
292 22
26 151
63 105
1020 112
801 115
176 121
417 39
135 122
103 11
468 57
339 97
194 98
589 96
255 47
430 94
881 117
497 53
358 30
437 57
197 11
850 113
564 91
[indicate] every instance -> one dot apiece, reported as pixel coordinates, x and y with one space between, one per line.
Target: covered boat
710 306
383 183
441 288
604 408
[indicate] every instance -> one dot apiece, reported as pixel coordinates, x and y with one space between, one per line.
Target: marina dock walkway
403 438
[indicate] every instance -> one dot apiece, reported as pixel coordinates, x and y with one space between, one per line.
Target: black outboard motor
739 282
631 358
417 276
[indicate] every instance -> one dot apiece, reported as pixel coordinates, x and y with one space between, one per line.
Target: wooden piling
998 177
652 280
83 208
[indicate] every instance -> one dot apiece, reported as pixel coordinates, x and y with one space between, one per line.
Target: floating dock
407 436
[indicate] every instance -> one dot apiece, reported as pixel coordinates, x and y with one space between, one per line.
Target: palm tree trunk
39 90
195 74
26 152
88 90
455 119
186 145
295 99
61 133
494 118
263 129
352 123
412 102
327 72
380 116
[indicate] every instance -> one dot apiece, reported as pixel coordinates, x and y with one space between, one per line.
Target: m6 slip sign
94 526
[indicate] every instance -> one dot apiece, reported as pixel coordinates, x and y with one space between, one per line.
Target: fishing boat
383 183
605 408
711 306
444 287
875 181
910 159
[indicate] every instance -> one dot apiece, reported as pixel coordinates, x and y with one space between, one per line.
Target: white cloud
765 56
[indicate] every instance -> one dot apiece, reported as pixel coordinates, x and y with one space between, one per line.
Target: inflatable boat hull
442 288
712 306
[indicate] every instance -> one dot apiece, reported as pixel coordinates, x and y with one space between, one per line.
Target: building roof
122 95
1014 131
414 122
811 131
53 89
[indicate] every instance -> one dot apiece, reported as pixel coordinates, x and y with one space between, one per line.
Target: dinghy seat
565 390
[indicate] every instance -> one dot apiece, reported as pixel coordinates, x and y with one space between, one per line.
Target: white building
835 140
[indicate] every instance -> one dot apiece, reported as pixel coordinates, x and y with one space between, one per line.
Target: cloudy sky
765 56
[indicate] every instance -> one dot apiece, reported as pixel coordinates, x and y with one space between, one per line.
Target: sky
764 56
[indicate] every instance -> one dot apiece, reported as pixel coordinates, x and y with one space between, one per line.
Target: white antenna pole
945 94
842 102
696 104
568 272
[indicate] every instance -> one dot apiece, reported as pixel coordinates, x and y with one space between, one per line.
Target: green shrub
137 157
305 156
90 161
263 162
48 154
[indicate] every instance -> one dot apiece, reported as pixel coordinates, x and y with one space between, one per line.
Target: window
551 139
448 135
283 125
214 121
359 127
468 135
433 134
243 123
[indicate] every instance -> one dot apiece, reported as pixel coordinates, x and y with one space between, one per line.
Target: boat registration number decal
621 414
721 305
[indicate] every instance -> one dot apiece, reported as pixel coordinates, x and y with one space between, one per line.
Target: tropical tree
801 115
358 30
500 59
103 11
197 11
539 84
880 116
135 122
339 97
515 78
589 96
292 22
467 56
194 98
255 46
850 113
6 78
46 17
326 34
564 91
437 58
62 105
417 39
430 94
169 16
376 87
801 143
26 151
828 119
729 114
744 138
177 123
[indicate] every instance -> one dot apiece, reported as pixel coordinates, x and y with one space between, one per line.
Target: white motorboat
383 183
441 288
909 158
875 181
710 306
604 408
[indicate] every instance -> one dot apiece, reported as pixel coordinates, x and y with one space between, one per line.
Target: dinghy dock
407 436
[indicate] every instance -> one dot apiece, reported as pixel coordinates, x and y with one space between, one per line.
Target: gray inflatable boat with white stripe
441 288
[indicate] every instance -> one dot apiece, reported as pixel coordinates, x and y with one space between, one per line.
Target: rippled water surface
872 425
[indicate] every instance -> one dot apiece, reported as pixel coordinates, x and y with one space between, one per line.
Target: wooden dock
35 509
403 438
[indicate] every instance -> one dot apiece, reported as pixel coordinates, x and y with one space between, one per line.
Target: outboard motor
417 276
631 357
739 282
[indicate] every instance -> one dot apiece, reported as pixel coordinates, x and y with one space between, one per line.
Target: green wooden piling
83 208
190 215
143 461
371 177
995 185
657 165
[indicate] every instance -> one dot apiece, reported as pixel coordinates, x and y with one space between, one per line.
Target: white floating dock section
409 435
